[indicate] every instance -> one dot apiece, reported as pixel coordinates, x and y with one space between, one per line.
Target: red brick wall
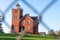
26 25
16 14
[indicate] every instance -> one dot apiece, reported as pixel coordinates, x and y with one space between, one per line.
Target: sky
51 17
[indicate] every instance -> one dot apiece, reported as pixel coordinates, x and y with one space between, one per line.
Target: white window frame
28 21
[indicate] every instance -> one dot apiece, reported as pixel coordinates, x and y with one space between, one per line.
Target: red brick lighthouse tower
16 15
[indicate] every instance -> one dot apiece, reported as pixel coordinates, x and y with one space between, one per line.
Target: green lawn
26 37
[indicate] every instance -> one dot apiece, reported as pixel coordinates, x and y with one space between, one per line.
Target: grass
26 37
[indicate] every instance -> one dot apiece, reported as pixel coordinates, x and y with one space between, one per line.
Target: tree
1 30
1 19
51 33
58 33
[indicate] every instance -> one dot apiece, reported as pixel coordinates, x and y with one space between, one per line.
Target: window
16 11
13 28
23 21
28 21
15 16
22 29
29 28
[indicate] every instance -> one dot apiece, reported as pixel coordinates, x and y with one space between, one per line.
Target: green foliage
26 37
58 33
51 33
7 39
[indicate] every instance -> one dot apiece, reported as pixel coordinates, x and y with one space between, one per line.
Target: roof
23 17
34 18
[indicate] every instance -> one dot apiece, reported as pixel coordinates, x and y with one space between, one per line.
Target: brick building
20 22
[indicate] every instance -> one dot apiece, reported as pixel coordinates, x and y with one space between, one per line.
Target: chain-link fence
31 7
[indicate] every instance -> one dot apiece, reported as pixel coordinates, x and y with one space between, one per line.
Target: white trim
30 18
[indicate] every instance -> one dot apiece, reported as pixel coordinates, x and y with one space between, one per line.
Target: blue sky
51 17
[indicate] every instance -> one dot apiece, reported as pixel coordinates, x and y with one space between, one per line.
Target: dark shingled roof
34 18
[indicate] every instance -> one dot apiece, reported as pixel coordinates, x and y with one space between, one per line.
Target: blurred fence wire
30 6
